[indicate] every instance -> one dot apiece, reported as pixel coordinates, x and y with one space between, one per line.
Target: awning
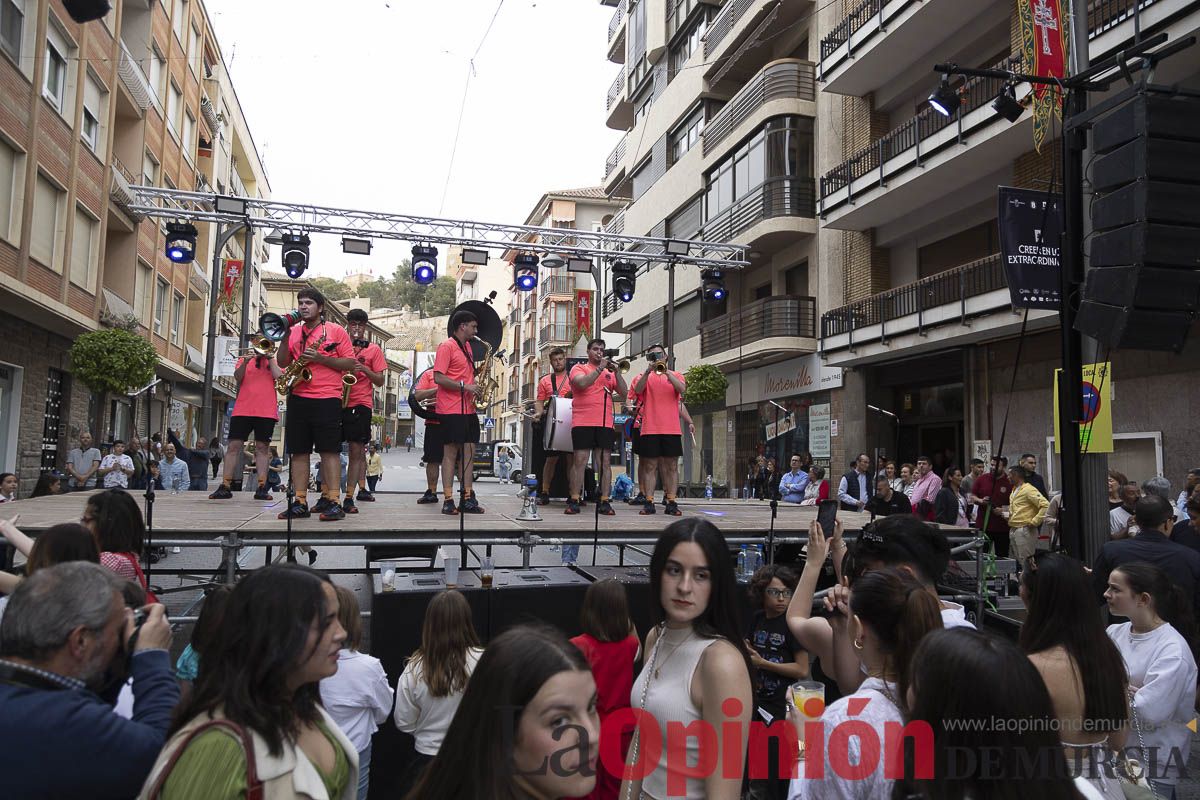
115 305
562 211
753 40
195 360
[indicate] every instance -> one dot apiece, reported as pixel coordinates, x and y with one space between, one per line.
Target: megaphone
275 326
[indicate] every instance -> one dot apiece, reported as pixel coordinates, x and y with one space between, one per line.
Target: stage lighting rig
181 242
424 264
624 280
295 254
525 272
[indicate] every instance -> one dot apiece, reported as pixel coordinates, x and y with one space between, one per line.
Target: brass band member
314 408
454 374
255 412
592 385
556 384
433 450
661 442
371 371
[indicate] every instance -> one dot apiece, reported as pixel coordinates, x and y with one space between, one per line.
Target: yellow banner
1095 426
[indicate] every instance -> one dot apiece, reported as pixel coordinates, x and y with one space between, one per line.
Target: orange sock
302 496
670 498
604 499
226 482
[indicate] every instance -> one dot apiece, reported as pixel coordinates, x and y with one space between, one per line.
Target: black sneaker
296 510
222 493
672 508
606 509
448 508
471 506
648 508
572 506
333 513
428 497
263 493
543 500
640 500
349 507
364 496
322 505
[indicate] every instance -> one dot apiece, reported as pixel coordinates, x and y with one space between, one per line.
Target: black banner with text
1031 224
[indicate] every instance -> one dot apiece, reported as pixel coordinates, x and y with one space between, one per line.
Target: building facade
915 303
86 111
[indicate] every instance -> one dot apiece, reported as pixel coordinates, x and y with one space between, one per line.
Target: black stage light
525 272
714 285
1006 104
424 264
86 10
624 280
181 242
295 254
945 99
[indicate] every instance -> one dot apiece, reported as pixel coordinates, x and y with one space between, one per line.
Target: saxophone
485 384
296 372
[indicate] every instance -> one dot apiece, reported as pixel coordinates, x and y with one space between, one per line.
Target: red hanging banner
229 278
1045 37
583 311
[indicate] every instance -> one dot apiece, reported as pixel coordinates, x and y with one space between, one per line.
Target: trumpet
660 368
348 381
260 346
621 366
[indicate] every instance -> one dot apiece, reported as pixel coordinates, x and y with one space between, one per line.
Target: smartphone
827 515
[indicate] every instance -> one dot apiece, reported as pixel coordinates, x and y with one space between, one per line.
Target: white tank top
669 699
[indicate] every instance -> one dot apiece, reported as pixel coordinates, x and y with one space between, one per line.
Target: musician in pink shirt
592 386
660 397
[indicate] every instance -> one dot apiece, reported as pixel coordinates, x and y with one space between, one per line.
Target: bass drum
557 433
423 413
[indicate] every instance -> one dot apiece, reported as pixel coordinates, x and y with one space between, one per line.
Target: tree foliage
705 384
400 290
113 360
332 288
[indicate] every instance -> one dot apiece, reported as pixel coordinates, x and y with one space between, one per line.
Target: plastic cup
486 568
452 572
387 577
802 695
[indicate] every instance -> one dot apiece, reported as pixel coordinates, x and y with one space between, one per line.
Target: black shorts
356 424
662 445
635 440
240 428
459 428
586 437
313 423
432 454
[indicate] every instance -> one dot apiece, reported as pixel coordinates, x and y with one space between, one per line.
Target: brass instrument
296 372
348 381
621 366
486 385
259 346
660 368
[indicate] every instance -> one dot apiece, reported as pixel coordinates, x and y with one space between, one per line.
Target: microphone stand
291 494
148 390
771 532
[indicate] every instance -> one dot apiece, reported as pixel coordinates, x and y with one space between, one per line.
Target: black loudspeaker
86 10
551 595
1143 289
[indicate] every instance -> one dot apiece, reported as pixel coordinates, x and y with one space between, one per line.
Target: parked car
485 460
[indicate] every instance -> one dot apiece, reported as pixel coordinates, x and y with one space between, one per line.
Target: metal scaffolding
153 201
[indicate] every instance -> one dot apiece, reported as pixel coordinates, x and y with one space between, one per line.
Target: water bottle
759 557
708 488
743 555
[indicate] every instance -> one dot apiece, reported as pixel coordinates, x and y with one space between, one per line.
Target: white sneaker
176 550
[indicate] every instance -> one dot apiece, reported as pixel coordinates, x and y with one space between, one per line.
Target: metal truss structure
152 201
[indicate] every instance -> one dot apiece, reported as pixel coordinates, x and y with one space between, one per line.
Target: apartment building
719 107
915 304
547 317
86 111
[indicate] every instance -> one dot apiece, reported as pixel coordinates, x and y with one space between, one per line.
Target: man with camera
67 642
592 434
660 394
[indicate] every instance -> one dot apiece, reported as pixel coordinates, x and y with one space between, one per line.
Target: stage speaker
1143 289
637 592
552 595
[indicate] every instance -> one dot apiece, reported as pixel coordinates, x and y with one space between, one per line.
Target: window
177 319
194 51
12 24
83 250
55 87
779 154
688 43
189 136
95 102
158 72
12 179
46 242
178 18
175 109
141 292
687 134
161 290
149 169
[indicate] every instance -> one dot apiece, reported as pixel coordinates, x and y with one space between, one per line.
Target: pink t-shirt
545 388
256 396
452 361
326 381
660 404
363 392
592 407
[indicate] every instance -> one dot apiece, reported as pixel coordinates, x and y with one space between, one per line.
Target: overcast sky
354 104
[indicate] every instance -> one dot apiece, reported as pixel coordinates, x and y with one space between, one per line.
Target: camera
612 353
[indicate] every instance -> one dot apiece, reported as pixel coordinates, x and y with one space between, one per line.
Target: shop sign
819 430
796 376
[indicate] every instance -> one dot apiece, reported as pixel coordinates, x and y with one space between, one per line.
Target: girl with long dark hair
1080 665
433 681
48 483
527 727
1158 647
116 521
280 636
697 660
887 615
962 682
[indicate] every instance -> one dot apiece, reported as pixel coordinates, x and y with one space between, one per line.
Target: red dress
612 668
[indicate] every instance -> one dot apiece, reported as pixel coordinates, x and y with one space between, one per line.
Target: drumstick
694 439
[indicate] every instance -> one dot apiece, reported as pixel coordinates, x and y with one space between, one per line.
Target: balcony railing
120 191
513 398
723 24
975 93
528 347
208 111
558 333
616 156
614 91
770 317
134 79
859 16
615 23
779 197
557 284
610 304
527 392
788 79
617 223
954 286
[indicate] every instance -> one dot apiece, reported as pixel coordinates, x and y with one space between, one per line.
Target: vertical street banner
229 279
1045 49
583 312
1031 224
1095 425
226 356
